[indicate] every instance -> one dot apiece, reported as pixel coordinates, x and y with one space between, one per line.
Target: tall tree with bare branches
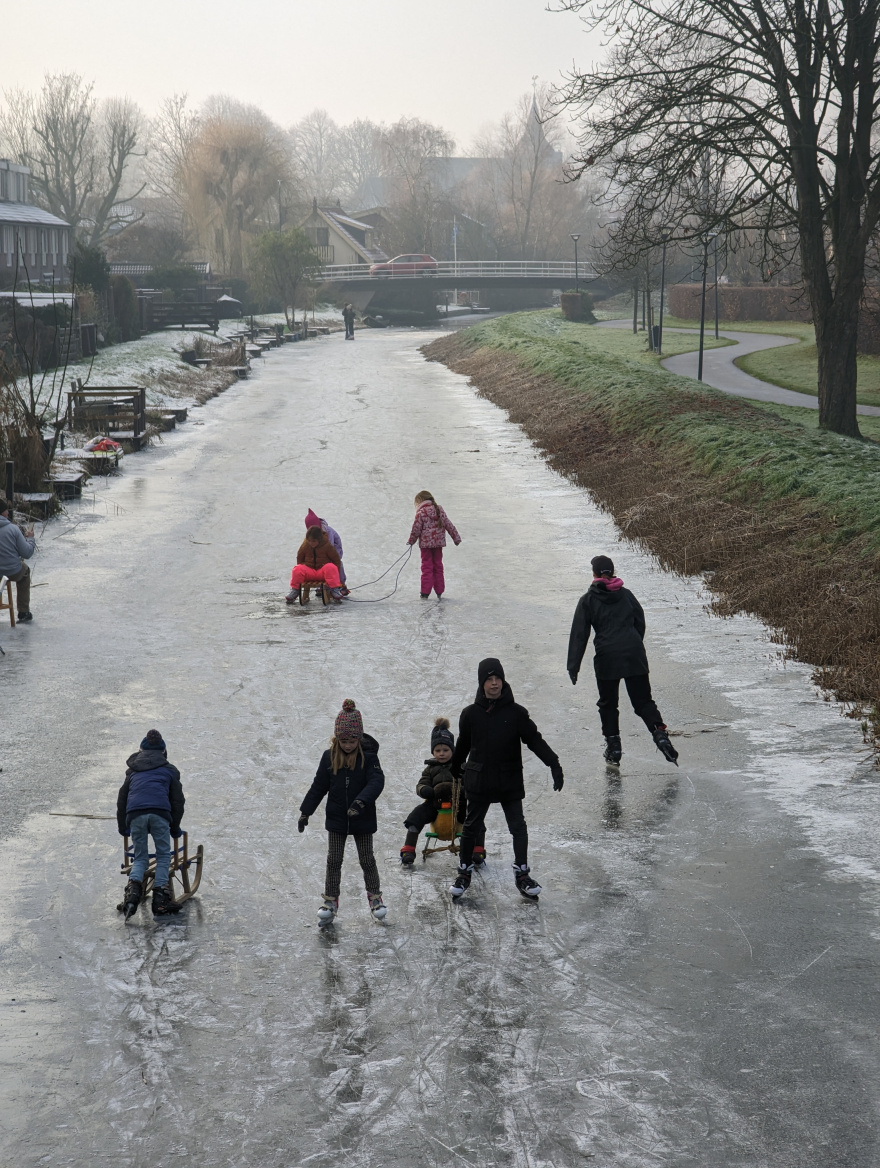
780 94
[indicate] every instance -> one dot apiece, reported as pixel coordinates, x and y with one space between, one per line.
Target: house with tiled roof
32 240
340 239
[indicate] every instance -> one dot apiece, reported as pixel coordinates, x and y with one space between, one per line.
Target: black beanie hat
153 741
441 735
488 667
602 565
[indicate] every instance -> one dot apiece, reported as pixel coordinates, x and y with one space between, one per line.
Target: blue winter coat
153 784
365 782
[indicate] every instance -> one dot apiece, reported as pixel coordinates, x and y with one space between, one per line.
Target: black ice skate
407 855
529 888
613 749
462 881
479 858
131 898
163 902
661 738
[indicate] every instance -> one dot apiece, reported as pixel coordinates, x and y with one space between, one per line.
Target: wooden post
10 485
635 308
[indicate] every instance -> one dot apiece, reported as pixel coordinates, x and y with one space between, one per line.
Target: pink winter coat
431 531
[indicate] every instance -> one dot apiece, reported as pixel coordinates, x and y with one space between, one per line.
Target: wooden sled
184 883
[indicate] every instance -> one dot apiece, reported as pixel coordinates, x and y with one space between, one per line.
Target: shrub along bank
783 519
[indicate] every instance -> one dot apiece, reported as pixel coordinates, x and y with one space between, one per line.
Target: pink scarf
613 584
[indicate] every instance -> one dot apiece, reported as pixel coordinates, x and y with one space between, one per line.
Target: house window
322 235
53 241
4 185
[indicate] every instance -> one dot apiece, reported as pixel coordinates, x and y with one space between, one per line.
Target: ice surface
696 986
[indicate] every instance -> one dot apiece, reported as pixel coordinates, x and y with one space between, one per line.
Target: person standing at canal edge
429 528
617 622
15 548
348 318
489 754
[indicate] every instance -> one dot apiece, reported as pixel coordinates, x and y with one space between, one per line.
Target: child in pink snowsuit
430 527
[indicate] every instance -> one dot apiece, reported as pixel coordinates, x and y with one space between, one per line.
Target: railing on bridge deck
463 270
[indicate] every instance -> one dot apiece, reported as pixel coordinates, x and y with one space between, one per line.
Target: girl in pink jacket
430 527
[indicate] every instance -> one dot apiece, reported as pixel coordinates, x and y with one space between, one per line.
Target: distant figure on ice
348 318
317 562
436 787
429 528
350 776
489 753
150 803
618 625
313 520
15 548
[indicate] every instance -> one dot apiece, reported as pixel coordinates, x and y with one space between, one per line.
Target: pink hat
349 723
312 520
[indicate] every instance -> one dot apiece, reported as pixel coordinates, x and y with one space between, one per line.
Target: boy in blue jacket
150 803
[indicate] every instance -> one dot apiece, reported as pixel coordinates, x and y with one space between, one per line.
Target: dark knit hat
441 735
490 667
349 723
153 741
602 566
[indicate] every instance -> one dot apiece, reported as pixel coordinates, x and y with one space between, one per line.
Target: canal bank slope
781 518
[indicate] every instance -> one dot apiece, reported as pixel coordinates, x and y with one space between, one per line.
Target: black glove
573 676
301 823
558 778
356 808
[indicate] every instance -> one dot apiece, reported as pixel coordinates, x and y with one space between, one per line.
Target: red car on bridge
406 265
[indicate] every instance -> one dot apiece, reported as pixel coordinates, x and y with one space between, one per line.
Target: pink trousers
432 571
329 574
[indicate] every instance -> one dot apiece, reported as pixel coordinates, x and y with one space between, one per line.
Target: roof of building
125 268
342 222
27 213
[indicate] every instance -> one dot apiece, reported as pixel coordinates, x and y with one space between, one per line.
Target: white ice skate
328 910
377 908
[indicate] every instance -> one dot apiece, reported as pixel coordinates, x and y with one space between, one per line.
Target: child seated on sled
435 787
317 562
150 803
313 520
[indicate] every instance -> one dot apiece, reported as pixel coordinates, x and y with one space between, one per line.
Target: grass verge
783 519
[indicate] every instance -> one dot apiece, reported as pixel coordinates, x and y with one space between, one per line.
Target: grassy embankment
794 366
782 518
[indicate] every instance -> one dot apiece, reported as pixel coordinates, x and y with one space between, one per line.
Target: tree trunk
836 344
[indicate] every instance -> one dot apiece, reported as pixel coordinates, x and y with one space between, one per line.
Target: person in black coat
617 622
350 776
489 756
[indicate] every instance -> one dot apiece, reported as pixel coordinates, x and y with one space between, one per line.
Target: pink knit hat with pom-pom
349 723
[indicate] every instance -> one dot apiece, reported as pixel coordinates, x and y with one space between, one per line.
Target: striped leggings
335 853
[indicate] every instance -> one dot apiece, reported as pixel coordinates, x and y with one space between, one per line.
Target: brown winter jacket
317 557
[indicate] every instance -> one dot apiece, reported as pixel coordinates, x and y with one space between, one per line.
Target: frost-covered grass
772 452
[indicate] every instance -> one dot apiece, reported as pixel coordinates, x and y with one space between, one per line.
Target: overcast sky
458 63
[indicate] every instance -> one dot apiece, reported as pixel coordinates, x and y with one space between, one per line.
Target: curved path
720 372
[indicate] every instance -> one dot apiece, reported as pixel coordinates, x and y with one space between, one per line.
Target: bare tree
315 147
79 153
413 154
171 136
782 96
359 155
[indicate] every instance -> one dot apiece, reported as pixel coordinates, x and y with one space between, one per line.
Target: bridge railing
463 270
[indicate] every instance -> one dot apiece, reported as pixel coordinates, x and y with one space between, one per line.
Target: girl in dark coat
617 622
489 754
350 776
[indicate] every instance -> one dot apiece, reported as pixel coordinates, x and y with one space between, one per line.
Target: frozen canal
698 985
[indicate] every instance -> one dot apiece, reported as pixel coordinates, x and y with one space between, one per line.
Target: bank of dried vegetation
782 520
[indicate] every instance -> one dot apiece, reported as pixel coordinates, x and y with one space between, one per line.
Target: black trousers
336 851
473 832
639 690
425 813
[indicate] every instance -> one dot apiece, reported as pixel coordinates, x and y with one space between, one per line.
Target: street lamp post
705 238
715 251
577 286
664 235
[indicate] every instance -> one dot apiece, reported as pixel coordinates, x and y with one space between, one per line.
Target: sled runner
445 827
183 881
323 591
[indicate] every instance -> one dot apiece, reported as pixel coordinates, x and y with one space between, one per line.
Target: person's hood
503 699
146 760
369 745
605 594
4 522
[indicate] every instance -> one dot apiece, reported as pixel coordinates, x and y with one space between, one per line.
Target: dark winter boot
661 738
613 749
408 855
163 902
462 881
527 886
293 596
131 898
479 858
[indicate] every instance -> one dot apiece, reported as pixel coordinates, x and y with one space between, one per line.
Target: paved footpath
720 371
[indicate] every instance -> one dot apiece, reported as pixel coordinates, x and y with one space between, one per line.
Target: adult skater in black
348 318
489 755
618 625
